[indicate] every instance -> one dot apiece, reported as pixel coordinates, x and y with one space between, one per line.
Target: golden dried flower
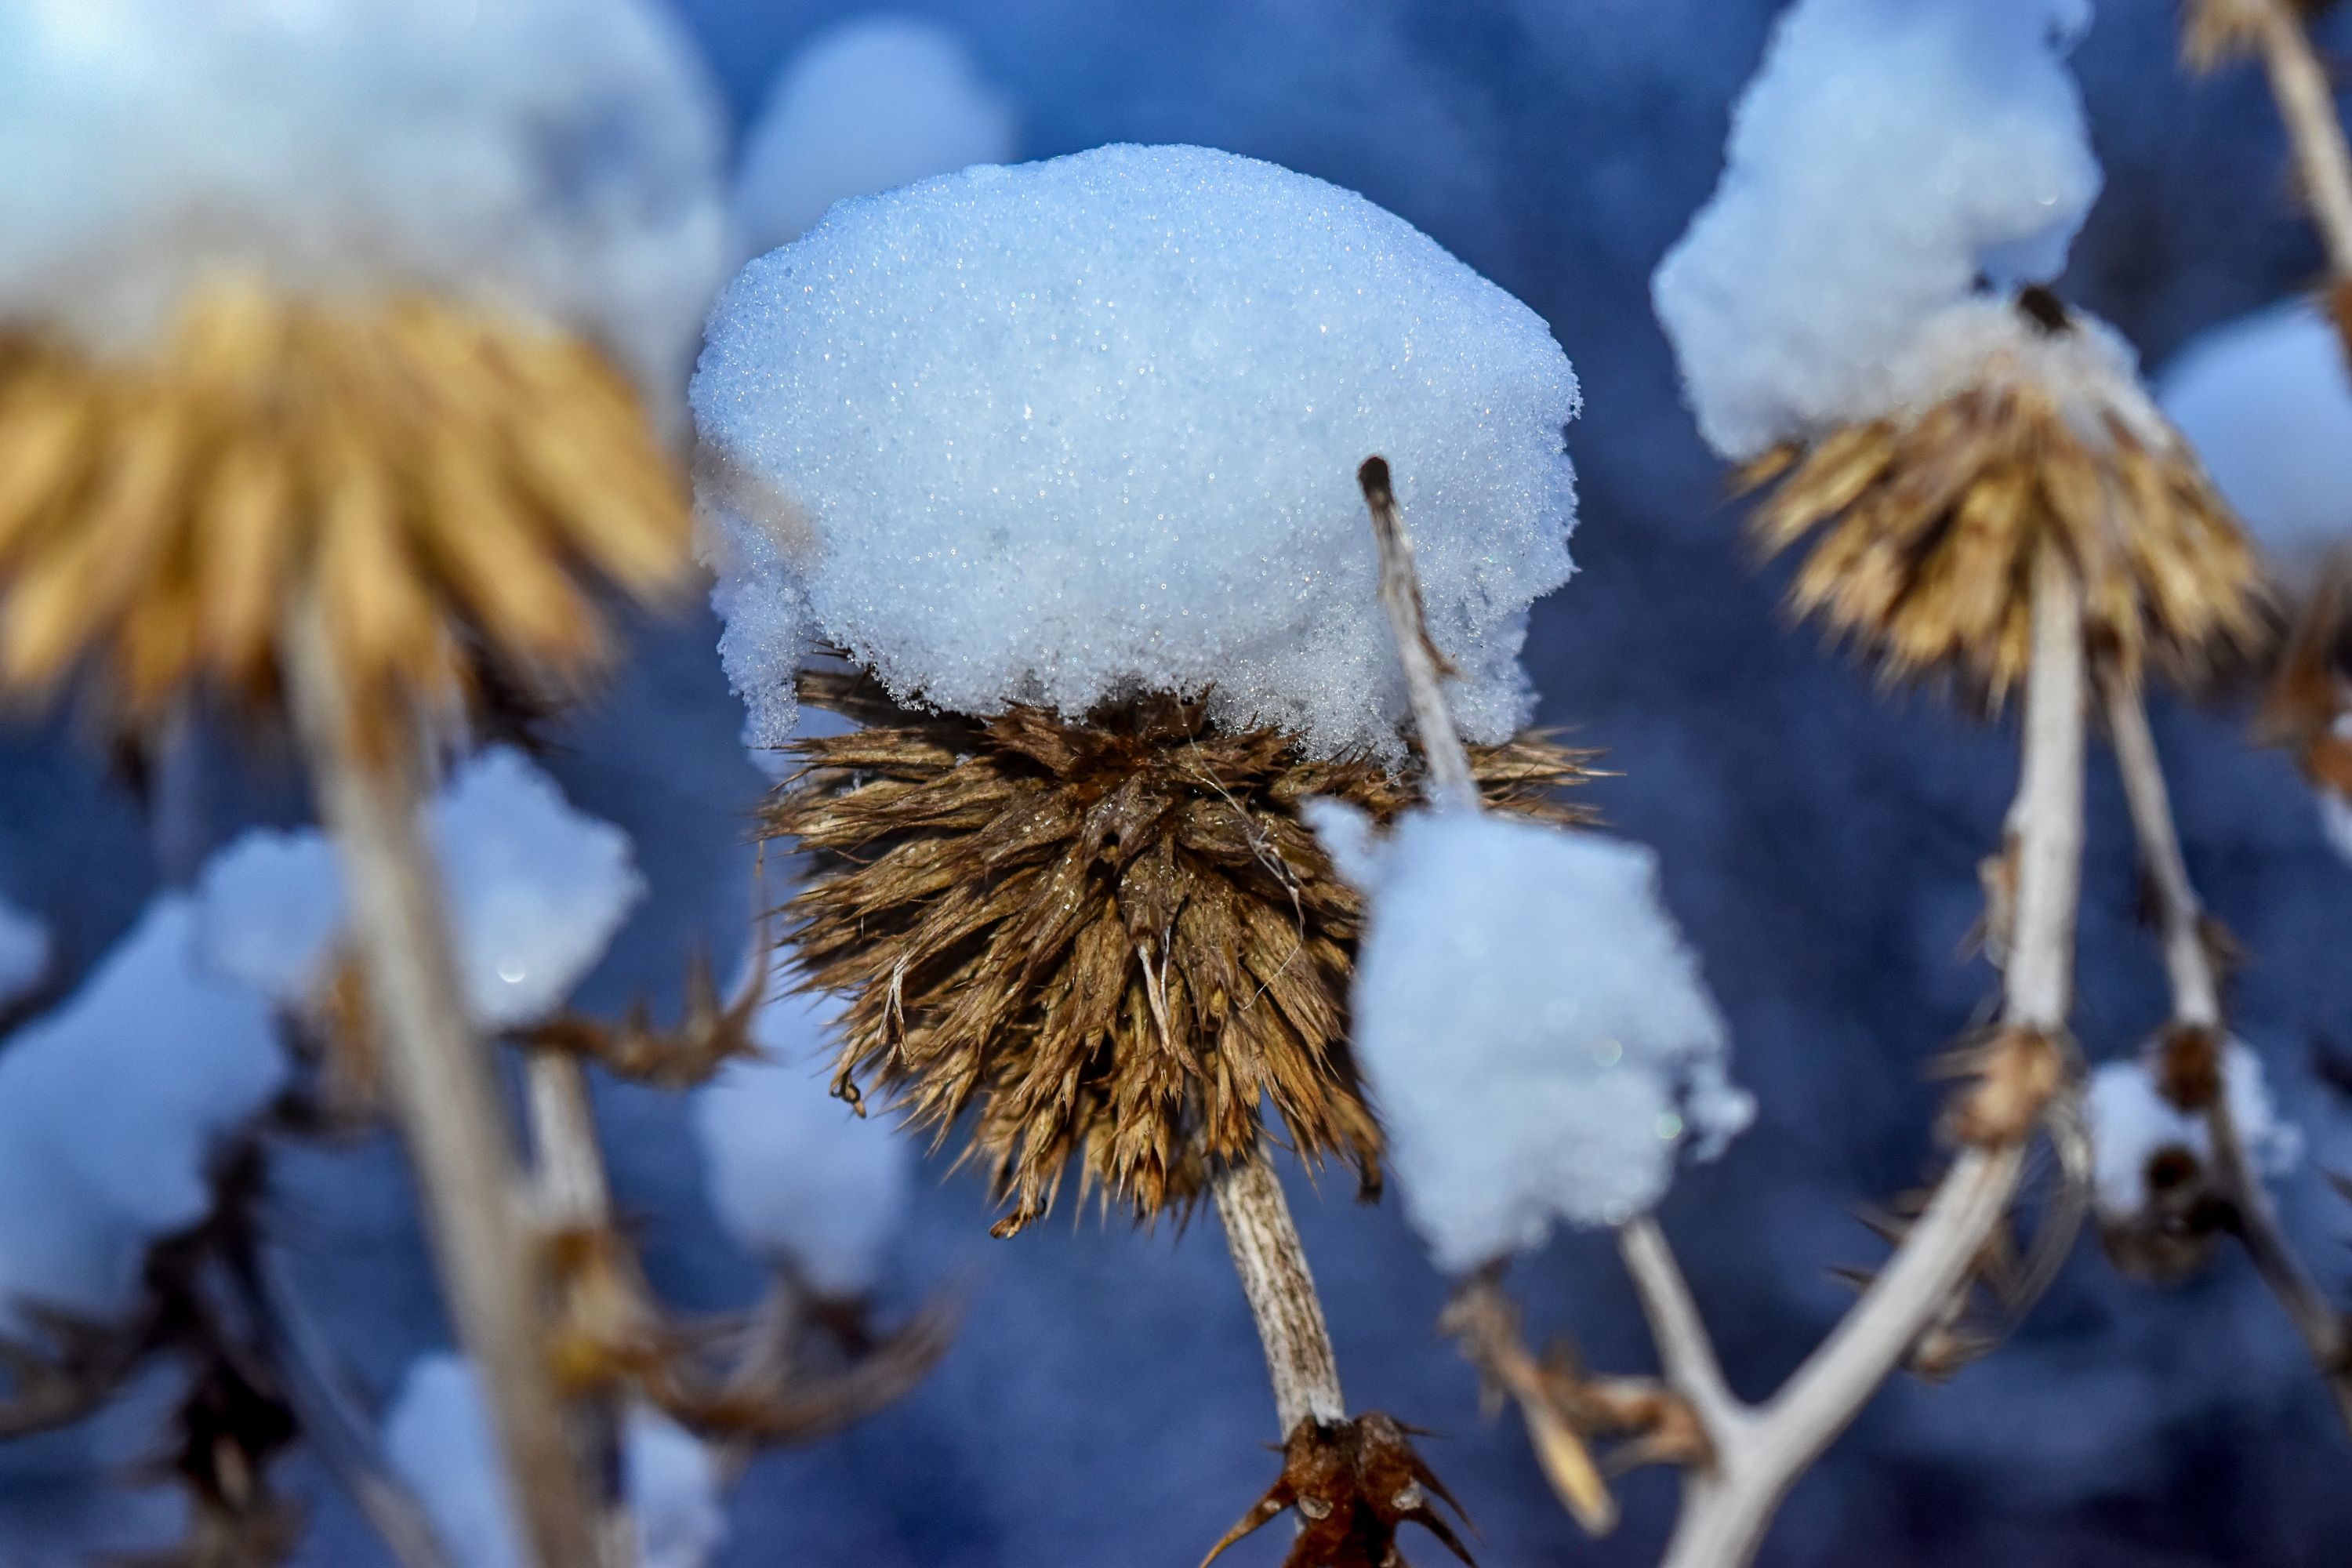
443 485
1108 940
1927 523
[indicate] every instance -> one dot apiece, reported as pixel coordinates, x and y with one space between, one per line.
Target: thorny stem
1272 1264
1762 1450
1450 783
573 1196
446 1093
2307 102
2196 1003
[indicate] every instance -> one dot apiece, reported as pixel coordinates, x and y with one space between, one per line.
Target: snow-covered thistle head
1860 319
1071 432
1535 1032
1066 454
353 303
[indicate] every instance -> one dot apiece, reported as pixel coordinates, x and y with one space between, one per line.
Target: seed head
1925 524
446 485
1108 941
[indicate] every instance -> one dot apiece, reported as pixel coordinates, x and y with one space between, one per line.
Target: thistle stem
573 1196
2306 102
445 1095
1450 782
1760 1452
2196 1003
1272 1264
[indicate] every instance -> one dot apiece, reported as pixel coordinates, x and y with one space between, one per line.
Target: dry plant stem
2196 1003
2307 102
1274 1274
1760 1451
445 1094
1686 1354
343 1439
573 1196
1450 783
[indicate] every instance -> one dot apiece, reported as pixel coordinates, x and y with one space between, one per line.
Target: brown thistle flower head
331 333
1107 941
1091 505
2023 428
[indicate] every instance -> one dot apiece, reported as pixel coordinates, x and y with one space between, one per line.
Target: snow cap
1061 433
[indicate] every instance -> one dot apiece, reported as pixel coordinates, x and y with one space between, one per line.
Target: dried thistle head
443 486
1926 524
1107 941
1355 1485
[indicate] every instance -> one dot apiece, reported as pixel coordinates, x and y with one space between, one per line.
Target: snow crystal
794 1174
868 104
2131 1120
536 892
111 1109
1889 154
1535 1029
437 1438
1058 432
562 157
24 953
2267 402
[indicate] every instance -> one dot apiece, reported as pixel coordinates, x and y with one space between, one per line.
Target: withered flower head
1106 941
2027 428
443 486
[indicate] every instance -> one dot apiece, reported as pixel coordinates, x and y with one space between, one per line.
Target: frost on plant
437 1438
1889 154
1535 1028
1063 433
536 892
795 1175
868 104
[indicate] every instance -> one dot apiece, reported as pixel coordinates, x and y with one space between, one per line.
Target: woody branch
2190 968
